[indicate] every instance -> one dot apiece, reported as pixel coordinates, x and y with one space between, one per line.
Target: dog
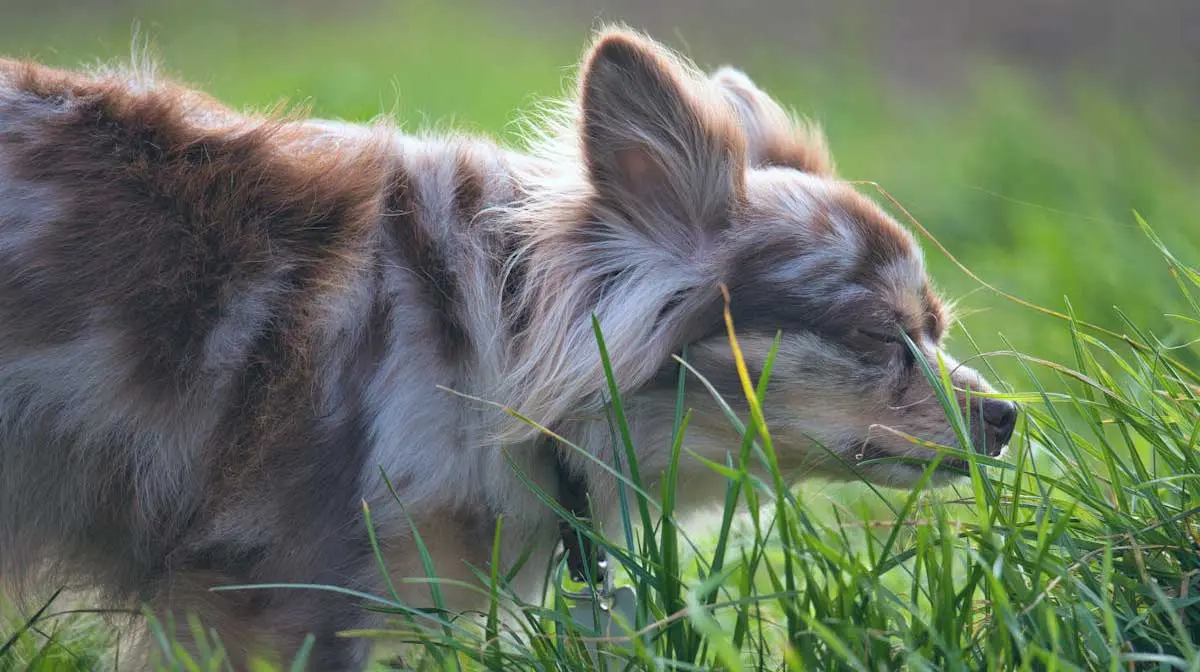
221 331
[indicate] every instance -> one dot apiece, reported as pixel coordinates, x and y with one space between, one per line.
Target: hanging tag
610 613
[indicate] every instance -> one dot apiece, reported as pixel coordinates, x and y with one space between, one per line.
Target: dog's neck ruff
585 562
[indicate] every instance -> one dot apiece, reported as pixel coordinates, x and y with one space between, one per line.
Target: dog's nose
1001 419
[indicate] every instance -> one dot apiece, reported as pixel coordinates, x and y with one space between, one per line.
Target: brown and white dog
217 330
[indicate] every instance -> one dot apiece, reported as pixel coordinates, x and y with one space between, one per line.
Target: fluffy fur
217 329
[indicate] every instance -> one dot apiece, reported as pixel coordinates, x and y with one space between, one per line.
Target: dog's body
216 331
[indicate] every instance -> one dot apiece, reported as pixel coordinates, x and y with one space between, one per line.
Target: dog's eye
881 336
887 338
895 345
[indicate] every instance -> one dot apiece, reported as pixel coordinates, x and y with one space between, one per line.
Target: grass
1081 550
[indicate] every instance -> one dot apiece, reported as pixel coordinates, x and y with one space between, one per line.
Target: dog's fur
217 329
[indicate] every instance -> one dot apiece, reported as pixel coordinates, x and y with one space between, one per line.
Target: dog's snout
1001 419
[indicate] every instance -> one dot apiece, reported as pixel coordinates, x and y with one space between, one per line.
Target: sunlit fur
218 332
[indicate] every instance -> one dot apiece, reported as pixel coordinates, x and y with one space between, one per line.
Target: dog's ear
774 138
661 146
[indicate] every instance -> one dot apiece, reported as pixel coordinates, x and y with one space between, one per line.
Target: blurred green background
1022 134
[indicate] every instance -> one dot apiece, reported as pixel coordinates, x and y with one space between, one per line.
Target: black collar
584 559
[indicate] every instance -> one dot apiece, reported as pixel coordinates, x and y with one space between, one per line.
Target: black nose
1001 418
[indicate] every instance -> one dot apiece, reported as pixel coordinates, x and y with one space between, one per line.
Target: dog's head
688 183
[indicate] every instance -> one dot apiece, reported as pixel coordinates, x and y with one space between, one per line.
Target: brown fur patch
513 267
468 185
881 241
428 258
451 536
798 152
208 214
774 138
936 319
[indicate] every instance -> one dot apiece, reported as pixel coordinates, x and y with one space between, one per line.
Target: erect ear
774 138
663 150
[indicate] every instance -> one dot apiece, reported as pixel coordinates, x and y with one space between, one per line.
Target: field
1074 203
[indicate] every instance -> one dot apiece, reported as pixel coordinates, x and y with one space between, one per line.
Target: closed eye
891 339
882 336
888 337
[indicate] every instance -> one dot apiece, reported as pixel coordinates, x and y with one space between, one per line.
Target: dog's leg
273 622
267 623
